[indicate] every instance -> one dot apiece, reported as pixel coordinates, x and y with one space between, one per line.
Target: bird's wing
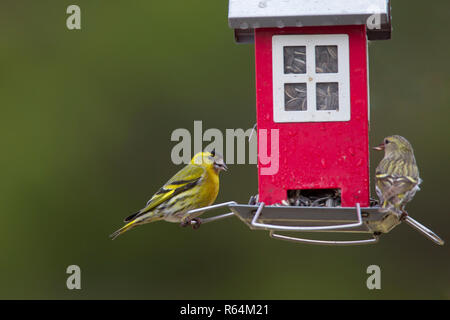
396 177
398 167
184 180
391 185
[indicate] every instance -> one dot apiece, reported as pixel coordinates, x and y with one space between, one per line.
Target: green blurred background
86 119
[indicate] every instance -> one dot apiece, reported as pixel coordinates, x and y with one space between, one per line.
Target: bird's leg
185 223
196 222
403 215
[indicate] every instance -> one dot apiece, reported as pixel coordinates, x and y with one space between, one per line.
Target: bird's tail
125 228
148 217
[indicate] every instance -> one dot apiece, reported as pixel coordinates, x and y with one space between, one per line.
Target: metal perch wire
311 219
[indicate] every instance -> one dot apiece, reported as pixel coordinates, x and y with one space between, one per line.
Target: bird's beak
220 166
380 147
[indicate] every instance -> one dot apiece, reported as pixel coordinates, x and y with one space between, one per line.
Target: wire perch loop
325 242
214 218
311 219
424 230
274 228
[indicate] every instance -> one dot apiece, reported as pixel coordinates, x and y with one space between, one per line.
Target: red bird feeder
312 93
312 86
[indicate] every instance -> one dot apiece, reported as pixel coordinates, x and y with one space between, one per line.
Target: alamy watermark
74 280
374 280
73 22
374 20
236 143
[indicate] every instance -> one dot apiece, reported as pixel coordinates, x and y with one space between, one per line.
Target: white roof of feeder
246 15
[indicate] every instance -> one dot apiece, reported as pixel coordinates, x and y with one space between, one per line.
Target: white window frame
311 78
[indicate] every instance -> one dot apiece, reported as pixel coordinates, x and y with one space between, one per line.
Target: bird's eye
386 141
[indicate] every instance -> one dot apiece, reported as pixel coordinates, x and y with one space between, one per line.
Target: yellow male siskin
397 175
194 186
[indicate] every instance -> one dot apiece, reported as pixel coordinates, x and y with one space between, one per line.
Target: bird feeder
312 89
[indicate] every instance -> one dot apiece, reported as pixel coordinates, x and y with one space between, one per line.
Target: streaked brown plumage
397 175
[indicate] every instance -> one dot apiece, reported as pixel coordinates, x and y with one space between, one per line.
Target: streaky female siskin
194 186
397 175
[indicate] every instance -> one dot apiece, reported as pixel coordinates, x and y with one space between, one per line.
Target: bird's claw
185 223
195 223
403 216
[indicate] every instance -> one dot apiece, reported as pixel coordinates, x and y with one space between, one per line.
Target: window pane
295 97
326 59
327 96
294 59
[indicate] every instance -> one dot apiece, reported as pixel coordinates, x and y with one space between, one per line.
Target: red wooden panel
317 155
